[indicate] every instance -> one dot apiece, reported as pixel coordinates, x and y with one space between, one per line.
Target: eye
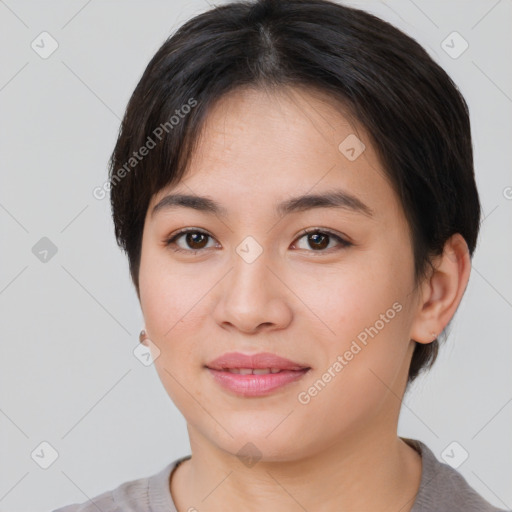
319 240
193 238
196 240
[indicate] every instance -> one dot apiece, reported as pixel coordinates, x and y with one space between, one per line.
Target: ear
442 291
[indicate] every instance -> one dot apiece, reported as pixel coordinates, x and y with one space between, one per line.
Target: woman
293 185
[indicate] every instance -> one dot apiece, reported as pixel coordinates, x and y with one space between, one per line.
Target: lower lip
256 385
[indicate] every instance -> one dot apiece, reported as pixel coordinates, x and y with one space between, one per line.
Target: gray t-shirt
442 489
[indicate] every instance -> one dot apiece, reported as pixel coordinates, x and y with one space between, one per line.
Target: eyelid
327 231
175 234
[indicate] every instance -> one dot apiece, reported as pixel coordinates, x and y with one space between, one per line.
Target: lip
252 385
260 360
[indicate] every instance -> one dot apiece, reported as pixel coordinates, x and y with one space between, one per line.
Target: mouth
253 371
255 375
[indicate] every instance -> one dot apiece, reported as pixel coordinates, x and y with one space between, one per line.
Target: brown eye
318 240
196 240
192 241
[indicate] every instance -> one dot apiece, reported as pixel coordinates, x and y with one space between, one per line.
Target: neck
364 471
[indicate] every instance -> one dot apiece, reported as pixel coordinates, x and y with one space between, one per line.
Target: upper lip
260 360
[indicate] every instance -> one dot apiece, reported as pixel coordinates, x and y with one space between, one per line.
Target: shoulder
138 495
126 497
444 488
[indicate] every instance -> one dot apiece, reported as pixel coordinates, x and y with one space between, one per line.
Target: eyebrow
332 199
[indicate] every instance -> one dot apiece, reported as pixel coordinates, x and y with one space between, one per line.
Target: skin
340 451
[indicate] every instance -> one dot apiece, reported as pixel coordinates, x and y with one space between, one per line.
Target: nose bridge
252 294
250 280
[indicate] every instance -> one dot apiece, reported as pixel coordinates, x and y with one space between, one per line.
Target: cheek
171 307
366 349
364 368
350 298
165 291
167 298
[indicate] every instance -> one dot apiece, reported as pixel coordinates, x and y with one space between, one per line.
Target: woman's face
344 307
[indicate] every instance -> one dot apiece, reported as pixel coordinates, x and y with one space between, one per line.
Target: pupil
314 236
190 239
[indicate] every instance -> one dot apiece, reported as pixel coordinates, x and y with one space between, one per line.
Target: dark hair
414 114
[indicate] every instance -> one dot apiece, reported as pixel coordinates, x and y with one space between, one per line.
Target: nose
254 298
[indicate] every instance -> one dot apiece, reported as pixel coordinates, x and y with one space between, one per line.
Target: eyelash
171 240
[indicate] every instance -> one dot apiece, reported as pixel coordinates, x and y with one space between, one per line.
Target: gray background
69 325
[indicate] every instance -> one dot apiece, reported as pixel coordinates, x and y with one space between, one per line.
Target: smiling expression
291 248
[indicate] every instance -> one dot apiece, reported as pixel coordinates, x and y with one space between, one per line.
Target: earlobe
442 291
143 337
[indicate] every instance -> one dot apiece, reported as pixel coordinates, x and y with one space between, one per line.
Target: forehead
259 126
268 145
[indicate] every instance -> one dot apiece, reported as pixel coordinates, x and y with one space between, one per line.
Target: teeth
261 371
254 371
